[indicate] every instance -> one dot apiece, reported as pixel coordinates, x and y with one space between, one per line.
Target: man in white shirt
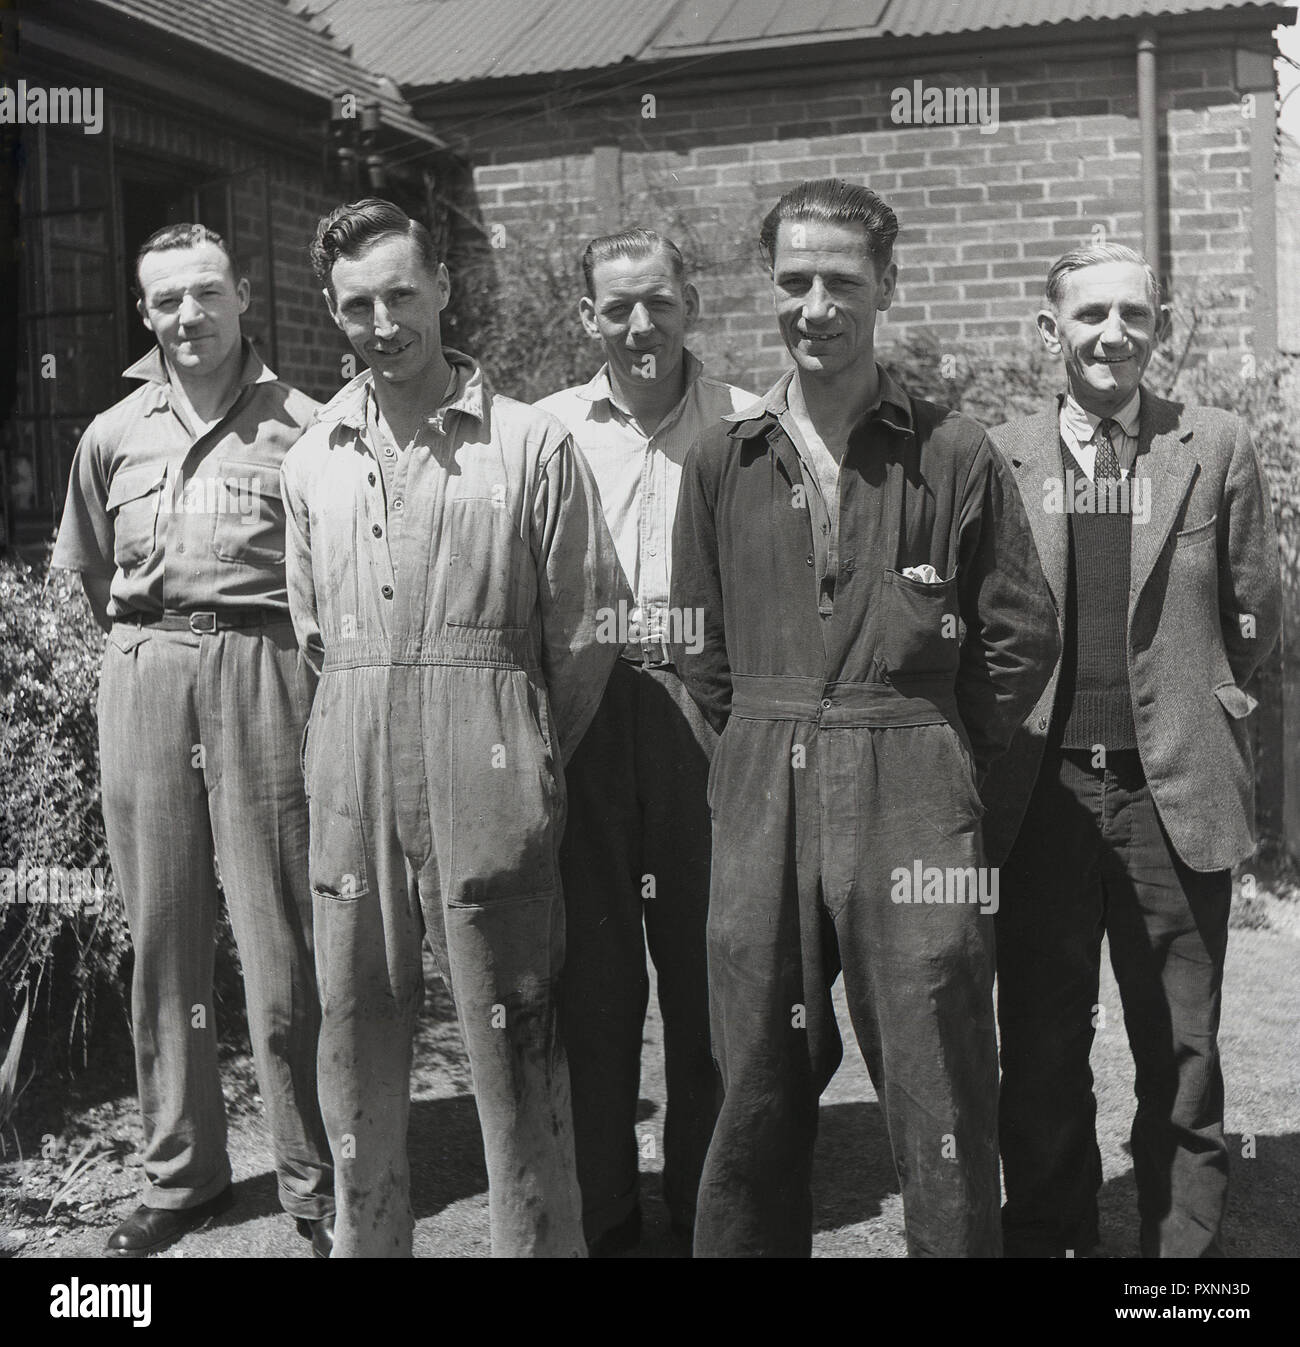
637 845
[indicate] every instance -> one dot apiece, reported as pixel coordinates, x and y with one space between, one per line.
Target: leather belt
207 621
649 654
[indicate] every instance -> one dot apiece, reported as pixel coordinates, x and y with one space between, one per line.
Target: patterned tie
1106 468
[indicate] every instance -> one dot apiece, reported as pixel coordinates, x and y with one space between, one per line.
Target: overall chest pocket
248 523
487 567
920 632
134 497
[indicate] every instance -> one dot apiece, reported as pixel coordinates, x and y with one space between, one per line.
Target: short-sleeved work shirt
182 521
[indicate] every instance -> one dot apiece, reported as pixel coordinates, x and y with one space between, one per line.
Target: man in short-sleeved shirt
174 519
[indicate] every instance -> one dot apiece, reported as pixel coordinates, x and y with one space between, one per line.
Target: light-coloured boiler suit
455 619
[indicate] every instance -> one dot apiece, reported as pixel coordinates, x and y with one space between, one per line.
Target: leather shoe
321 1233
149 1229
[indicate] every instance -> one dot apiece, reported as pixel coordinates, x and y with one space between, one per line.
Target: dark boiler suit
452 600
857 705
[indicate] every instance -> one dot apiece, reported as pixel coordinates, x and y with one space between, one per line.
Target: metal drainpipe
1149 134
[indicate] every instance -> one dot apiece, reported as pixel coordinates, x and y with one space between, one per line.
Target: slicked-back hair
348 230
635 245
1095 255
187 235
834 201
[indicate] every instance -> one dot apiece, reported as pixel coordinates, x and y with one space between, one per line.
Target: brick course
1062 165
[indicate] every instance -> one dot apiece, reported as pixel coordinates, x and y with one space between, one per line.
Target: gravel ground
858 1210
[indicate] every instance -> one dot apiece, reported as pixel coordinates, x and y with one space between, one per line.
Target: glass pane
82 229
21 467
76 368
76 171
79 279
58 463
213 203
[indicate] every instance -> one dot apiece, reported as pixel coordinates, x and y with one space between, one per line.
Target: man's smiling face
1105 327
388 304
640 312
827 294
192 304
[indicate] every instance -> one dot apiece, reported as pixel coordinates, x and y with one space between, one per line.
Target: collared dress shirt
1079 429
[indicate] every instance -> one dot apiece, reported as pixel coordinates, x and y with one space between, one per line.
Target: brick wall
309 347
982 215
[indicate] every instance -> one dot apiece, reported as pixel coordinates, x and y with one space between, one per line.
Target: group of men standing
659 662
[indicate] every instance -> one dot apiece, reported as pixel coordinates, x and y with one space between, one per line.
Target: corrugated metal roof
427 43
271 38
718 24
422 42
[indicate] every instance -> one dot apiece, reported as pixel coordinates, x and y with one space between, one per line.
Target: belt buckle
661 658
204 623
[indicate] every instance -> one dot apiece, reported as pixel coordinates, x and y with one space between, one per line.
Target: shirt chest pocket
920 634
134 496
248 523
488 565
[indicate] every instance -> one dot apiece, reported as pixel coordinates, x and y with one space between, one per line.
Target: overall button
376 530
827 703
386 591
371 478
397 503
1042 722
808 559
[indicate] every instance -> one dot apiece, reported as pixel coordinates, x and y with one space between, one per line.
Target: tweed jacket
1204 610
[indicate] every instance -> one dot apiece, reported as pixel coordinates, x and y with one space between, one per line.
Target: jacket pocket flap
130 484
1237 702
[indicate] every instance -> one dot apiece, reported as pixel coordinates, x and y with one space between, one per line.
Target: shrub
67 961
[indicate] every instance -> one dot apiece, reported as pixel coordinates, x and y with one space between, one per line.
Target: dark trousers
812 830
636 850
1093 857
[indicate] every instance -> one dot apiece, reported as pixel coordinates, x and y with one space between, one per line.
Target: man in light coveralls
447 562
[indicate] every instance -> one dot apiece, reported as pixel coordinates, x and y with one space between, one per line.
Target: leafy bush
67 961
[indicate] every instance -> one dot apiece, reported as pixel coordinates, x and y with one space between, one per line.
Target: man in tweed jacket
1128 793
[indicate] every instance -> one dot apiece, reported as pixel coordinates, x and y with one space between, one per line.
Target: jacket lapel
1168 462
1034 453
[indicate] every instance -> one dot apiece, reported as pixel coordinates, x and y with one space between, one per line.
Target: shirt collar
152 370
600 387
1083 424
468 392
775 403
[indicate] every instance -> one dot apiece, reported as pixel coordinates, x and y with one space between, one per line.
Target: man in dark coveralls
875 627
